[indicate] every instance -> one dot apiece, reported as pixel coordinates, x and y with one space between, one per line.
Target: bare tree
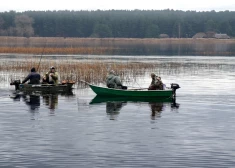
1 26
11 31
23 25
1 22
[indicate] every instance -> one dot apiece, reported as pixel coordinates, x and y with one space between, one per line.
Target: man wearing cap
33 77
156 83
51 77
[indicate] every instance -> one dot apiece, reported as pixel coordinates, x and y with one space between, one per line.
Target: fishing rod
137 83
41 57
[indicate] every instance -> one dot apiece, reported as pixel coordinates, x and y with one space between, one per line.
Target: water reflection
33 100
51 101
174 105
113 108
156 109
115 104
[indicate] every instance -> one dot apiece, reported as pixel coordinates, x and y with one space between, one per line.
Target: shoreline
34 41
117 46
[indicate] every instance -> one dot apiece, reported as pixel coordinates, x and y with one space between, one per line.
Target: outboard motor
16 83
174 86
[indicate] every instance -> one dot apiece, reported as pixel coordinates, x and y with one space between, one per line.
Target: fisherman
33 77
113 81
156 83
51 77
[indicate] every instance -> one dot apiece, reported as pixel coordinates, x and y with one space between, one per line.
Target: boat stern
16 83
174 87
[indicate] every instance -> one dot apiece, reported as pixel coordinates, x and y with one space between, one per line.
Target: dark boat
44 88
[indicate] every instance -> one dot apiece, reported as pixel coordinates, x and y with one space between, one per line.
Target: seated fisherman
33 77
156 83
51 77
113 81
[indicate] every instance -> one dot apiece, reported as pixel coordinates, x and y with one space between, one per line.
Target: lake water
79 130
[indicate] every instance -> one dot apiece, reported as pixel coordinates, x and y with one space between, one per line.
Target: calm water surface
81 130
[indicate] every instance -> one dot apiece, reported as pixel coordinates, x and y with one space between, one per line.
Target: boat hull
102 91
45 88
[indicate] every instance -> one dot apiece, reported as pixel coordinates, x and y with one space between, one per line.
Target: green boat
43 88
104 91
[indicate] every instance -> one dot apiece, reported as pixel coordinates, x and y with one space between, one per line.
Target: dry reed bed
110 46
98 50
93 71
101 42
50 50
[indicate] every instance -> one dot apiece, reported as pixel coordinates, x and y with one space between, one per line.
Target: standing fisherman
33 76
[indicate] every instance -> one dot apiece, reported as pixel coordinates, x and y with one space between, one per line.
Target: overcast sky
199 5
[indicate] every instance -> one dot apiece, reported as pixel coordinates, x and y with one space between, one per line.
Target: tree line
115 23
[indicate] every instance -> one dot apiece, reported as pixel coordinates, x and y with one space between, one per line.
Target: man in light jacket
114 81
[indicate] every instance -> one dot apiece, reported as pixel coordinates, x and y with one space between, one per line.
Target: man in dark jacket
34 77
